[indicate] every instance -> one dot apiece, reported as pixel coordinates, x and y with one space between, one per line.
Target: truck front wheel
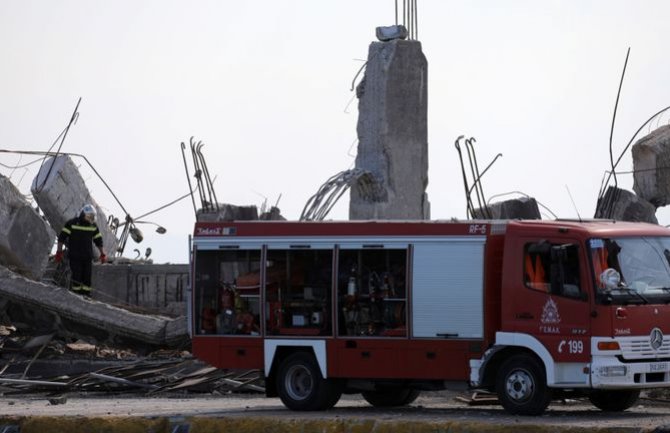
614 400
301 386
522 387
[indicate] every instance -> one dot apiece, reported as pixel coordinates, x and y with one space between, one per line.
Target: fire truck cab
531 310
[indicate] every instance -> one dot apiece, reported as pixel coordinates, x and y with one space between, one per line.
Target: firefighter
80 234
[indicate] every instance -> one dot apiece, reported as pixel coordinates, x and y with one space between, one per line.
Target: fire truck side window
372 292
298 292
227 290
552 268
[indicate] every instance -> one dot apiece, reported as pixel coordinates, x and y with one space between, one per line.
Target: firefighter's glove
59 257
103 258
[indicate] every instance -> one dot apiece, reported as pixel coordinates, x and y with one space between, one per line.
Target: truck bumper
607 372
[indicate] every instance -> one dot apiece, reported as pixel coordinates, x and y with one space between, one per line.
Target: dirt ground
430 407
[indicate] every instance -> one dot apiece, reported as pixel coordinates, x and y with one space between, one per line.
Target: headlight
613 370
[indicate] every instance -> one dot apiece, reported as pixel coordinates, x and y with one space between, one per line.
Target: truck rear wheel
522 387
391 397
614 400
301 386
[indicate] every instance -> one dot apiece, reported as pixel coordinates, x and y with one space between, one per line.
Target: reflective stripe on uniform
99 235
84 228
66 230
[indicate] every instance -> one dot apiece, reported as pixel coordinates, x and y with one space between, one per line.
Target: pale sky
266 86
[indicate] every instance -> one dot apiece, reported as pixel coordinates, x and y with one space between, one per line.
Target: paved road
431 408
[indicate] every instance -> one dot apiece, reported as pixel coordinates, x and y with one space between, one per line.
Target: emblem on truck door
550 312
656 338
550 317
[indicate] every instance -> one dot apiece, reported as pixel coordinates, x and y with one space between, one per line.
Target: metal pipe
468 201
73 119
471 150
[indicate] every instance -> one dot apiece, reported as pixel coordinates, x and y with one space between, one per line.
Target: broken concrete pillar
25 237
622 205
519 208
393 133
62 194
651 165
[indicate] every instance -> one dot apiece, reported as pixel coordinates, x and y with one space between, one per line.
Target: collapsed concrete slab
60 192
116 322
25 237
622 205
519 208
393 133
651 165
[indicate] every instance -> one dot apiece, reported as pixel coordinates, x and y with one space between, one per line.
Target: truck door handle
525 316
241 352
365 354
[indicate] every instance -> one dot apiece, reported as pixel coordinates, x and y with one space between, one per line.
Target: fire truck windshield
632 269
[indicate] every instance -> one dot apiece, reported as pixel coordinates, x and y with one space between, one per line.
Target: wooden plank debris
479 398
146 376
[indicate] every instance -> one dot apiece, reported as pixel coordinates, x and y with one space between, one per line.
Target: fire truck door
447 289
551 302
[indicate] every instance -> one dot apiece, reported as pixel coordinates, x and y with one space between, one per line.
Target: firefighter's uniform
79 234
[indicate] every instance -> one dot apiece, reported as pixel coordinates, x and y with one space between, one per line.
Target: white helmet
88 212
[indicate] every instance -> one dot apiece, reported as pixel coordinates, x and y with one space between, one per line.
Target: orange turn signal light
608 345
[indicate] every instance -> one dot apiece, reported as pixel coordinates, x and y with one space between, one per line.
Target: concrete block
60 191
389 33
25 237
229 212
158 288
274 214
518 208
651 165
622 205
393 133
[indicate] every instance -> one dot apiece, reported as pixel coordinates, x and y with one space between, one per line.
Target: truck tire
521 386
301 386
614 400
391 397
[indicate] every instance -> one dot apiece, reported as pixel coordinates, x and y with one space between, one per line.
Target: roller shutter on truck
447 294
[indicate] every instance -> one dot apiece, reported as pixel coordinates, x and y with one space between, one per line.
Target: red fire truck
532 310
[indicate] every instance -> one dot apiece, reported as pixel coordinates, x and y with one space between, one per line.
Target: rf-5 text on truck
532 310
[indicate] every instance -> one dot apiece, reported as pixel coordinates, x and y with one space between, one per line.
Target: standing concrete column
63 194
393 133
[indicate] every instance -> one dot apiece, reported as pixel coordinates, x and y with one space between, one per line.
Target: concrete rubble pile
26 241
25 238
